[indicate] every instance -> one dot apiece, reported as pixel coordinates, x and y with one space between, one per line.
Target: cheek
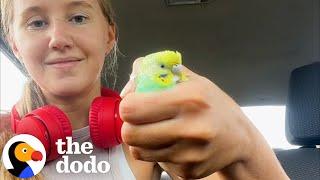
32 50
93 47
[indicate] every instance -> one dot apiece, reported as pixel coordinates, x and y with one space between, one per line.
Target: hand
192 130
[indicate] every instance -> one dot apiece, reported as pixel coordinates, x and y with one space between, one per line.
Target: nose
60 36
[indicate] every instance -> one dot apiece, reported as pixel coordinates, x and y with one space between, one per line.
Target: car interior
259 52
302 124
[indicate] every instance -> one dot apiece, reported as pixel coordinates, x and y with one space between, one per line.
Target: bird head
165 63
169 60
24 152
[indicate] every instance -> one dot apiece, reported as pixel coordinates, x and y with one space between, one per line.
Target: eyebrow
33 9
73 4
79 4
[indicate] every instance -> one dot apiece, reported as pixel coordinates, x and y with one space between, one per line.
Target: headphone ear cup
105 123
33 126
48 124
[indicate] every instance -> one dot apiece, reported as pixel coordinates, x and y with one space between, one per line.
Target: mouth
63 62
176 69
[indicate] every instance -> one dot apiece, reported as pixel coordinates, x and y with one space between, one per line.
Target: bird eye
162 65
24 150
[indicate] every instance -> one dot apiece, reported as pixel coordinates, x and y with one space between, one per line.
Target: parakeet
160 71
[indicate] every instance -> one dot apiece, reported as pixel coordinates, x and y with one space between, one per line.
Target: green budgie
159 71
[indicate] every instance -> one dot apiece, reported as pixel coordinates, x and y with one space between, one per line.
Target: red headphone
48 123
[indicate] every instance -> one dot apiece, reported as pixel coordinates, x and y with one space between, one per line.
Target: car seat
303 124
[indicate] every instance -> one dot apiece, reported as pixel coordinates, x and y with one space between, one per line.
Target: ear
13 46
111 35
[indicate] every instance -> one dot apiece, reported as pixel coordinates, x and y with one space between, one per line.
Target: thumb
131 85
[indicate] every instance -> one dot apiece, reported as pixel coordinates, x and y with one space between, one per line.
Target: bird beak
176 69
36 156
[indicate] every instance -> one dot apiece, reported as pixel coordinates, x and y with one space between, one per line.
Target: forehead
22 6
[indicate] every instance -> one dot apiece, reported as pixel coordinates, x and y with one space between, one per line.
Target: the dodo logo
24 156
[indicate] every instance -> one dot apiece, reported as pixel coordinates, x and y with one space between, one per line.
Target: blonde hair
32 96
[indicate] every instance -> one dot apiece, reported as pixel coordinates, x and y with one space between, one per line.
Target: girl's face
62 43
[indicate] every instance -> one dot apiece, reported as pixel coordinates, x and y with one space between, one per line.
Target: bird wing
26 173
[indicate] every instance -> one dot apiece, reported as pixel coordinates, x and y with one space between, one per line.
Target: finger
153 135
167 132
189 74
190 171
150 155
179 153
141 108
130 86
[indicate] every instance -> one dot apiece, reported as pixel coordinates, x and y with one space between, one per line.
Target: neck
75 107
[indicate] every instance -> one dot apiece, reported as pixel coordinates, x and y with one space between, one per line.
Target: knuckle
126 108
206 86
192 174
137 61
198 133
195 174
206 133
136 64
188 158
127 133
197 99
135 152
203 80
189 171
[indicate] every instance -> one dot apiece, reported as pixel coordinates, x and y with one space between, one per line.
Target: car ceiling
248 47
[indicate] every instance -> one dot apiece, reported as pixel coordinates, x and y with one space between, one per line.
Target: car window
270 120
12 81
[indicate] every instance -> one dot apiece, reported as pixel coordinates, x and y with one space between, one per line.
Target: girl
197 131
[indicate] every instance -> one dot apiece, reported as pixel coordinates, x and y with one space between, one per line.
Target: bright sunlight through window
12 81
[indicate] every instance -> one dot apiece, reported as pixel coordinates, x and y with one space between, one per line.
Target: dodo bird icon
20 153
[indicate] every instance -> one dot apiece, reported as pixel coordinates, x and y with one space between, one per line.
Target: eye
162 66
37 24
79 19
24 150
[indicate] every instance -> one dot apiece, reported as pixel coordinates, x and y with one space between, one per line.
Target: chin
70 89
65 92
65 87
